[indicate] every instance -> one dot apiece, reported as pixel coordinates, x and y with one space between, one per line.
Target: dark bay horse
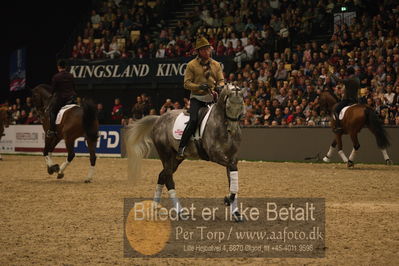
79 121
220 140
356 117
4 121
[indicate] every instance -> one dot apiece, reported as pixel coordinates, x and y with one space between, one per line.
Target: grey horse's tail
138 144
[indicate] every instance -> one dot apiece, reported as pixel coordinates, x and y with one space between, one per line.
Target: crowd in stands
282 70
122 29
23 112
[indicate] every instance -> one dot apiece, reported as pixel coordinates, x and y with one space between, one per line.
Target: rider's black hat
61 63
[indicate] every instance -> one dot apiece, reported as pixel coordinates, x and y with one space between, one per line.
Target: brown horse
355 118
4 121
79 121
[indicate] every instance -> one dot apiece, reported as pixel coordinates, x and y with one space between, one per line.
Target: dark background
44 28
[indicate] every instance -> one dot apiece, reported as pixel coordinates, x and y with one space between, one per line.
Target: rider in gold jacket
203 74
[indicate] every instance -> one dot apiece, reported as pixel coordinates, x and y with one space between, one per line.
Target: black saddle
201 114
71 100
198 142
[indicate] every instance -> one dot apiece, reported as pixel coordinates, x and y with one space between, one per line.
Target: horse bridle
234 119
236 90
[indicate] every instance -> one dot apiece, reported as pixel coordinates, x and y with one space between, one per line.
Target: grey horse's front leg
232 199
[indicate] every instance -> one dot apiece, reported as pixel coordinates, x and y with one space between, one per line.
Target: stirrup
338 130
180 153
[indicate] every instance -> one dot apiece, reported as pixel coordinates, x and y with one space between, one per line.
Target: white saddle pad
181 123
342 113
62 111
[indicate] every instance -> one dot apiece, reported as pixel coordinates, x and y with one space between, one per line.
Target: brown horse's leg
384 152
330 152
388 161
49 146
340 151
356 146
71 154
92 150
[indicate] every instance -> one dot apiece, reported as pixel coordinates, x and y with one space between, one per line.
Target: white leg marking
234 182
385 154
158 193
63 166
48 160
353 155
175 200
330 153
91 173
233 205
343 156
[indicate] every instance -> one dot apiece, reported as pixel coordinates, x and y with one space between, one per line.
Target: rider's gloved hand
219 88
204 86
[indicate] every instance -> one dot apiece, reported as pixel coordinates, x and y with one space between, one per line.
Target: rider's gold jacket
198 72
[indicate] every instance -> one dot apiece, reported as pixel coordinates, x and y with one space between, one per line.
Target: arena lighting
343 8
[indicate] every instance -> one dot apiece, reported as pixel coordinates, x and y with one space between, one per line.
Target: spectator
167 106
32 119
138 109
101 114
15 113
95 18
117 112
389 96
247 54
113 50
22 118
160 52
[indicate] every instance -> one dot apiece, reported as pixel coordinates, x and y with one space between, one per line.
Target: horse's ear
224 93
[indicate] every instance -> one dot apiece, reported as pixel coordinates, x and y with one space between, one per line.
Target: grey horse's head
232 101
233 98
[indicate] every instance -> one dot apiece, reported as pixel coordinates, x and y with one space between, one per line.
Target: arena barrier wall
304 144
29 139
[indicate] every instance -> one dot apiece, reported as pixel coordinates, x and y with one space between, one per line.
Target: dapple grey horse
220 140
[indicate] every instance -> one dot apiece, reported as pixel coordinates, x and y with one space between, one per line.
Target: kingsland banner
135 70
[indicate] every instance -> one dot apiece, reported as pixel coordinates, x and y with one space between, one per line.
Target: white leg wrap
48 160
91 173
158 193
175 200
343 156
353 155
234 182
63 166
385 154
234 205
330 152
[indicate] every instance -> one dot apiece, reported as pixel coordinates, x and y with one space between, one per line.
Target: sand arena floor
48 221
